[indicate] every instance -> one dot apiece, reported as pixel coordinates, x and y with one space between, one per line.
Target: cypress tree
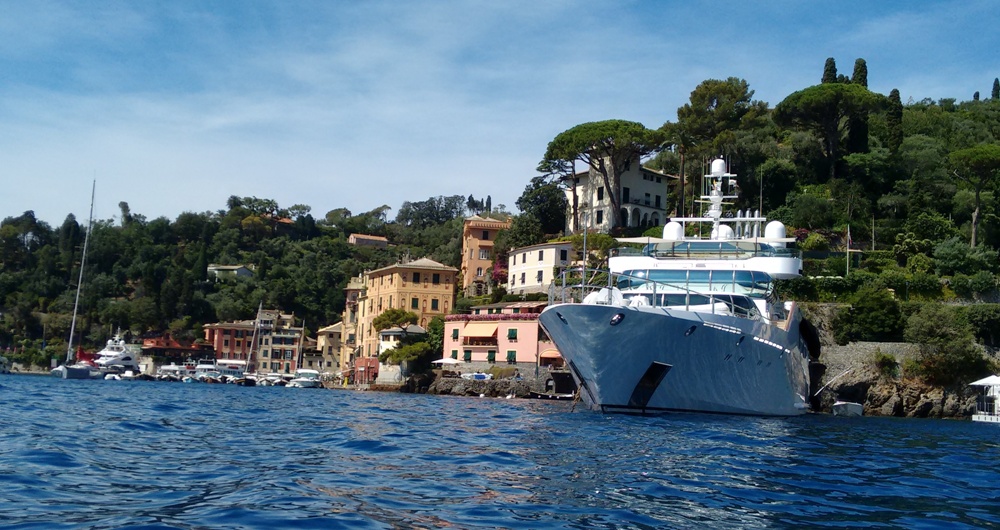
830 71
860 76
975 96
894 121
996 88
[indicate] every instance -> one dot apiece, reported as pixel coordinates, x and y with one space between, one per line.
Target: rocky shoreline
852 374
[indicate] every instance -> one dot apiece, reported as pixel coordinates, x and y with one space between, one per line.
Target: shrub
985 322
815 241
886 364
948 354
874 316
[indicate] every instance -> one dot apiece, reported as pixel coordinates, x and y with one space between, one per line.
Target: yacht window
672 277
699 277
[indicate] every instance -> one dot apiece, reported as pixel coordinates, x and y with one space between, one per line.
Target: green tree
996 88
545 202
829 71
873 316
607 147
979 168
825 109
948 354
395 318
894 121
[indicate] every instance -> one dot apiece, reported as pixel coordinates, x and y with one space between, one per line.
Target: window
512 334
435 279
600 193
390 301
467 356
600 217
541 255
416 277
434 304
657 201
646 201
511 356
540 273
225 343
563 255
522 278
524 257
484 254
454 334
414 303
486 235
491 356
479 271
454 354
625 195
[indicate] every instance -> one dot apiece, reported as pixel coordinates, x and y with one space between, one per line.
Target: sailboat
82 368
249 376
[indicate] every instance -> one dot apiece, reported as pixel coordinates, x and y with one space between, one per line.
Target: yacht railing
709 250
655 293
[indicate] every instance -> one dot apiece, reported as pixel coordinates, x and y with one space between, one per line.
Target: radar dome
718 166
775 230
725 232
673 231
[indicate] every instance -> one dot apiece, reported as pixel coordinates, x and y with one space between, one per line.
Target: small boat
848 409
477 376
305 378
549 395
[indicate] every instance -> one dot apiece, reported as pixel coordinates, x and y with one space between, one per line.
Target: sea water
130 454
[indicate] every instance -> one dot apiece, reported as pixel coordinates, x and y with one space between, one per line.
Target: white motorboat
691 323
848 409
305 378
174 372
986 402
117 357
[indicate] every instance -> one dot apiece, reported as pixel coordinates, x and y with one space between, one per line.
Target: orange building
424 287
478 235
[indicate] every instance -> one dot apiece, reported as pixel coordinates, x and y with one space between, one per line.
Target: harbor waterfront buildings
279 344
505 334
534 269
478 236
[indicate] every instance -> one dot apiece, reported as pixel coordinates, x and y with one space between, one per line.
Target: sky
175 106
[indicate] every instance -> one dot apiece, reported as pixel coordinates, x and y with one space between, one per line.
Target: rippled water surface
117 454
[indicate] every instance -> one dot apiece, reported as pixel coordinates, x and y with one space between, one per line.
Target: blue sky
175 106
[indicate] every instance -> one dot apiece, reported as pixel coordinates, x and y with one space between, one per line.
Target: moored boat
305 378
987 410
691 323
848 409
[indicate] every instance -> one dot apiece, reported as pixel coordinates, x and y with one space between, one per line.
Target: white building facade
533 269
643 200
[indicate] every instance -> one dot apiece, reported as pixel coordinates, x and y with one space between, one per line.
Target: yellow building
349 343
478 235
424 287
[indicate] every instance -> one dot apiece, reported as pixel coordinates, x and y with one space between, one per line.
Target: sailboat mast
79 281
253 342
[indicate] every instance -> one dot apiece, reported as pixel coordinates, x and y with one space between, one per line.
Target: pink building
505 333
